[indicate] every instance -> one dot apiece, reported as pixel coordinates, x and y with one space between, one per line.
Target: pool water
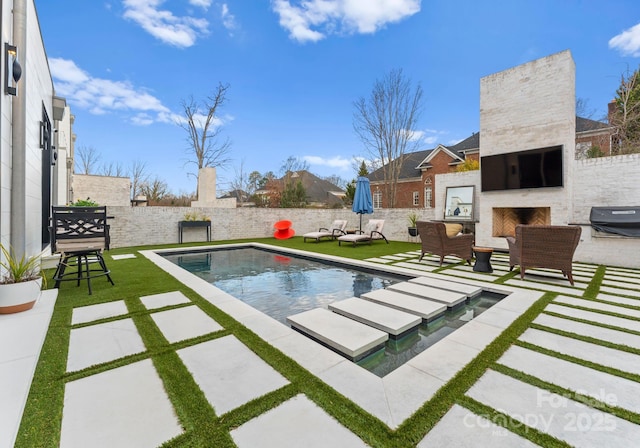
282 285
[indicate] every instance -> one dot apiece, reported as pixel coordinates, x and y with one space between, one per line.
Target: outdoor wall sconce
12 70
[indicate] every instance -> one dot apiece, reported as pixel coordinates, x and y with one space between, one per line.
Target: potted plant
21 284
413 218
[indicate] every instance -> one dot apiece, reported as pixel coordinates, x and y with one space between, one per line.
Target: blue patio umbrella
362 202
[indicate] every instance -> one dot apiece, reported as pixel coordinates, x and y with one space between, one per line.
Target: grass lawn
203 427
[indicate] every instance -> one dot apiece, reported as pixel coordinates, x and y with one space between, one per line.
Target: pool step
449 298
424 308
384 318
469 290
350 338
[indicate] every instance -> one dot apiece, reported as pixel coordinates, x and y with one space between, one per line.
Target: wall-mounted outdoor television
534 168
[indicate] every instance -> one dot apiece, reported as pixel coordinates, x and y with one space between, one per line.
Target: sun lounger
334 231
372 231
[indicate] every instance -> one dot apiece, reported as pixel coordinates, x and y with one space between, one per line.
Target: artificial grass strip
593 288
591 322
580 361
594 310
587 400
412 430
512 424
585 338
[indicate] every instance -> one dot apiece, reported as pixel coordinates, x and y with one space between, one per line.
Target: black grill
617 220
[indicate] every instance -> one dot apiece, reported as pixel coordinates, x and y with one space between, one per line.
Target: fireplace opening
505 219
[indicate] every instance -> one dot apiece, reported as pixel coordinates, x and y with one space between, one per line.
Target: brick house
416 187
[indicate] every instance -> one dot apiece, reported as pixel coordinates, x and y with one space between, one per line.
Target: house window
428 193
416 198
427 197
377 199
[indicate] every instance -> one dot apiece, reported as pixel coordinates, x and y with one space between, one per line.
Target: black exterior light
12 70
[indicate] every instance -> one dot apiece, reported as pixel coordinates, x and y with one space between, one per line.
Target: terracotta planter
17 297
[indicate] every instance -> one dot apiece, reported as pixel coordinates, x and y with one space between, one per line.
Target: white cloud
228 19
204 4
313 20
627 42
334 162
164 25
101 96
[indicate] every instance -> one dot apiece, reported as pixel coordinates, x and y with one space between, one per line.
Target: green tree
363 171
293 196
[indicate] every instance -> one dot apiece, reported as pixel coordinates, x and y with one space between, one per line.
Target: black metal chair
80 235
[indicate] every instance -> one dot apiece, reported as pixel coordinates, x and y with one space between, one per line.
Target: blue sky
296 67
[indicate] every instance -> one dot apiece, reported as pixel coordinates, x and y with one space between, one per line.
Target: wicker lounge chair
372 231
544 247
332 232
435 241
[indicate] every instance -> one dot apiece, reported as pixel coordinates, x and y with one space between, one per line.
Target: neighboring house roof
414 162
238 194
317 190
586 124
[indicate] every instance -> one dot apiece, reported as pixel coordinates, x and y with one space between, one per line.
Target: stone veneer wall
139 226
105 190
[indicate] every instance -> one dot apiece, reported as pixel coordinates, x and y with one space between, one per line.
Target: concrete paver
610 389
165 299
594 316
593 331
462 428
104 342
229 373
598 306
403 302
449 298
382 317
627 362
184 323
553 414
91 313
313 428
123 407
351 338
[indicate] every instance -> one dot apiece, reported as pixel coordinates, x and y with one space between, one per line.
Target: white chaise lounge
332 232
372 231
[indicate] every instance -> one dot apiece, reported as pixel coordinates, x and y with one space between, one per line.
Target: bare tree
155 190
240 183
336 180
113 169
204 127
625 116
138 175
293 164
385 122
87 158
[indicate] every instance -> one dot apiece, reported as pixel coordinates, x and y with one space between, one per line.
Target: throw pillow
453 229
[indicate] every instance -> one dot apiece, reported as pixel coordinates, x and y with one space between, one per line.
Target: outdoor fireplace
505 219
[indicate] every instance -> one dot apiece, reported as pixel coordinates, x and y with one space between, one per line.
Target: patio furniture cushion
372 231
453 229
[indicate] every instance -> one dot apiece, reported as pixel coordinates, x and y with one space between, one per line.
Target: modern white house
30 117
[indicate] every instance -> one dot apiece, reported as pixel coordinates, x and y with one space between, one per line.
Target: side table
483 259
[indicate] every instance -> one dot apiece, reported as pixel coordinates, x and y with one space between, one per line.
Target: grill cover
619 220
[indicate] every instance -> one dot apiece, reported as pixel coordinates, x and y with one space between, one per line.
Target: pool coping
396 396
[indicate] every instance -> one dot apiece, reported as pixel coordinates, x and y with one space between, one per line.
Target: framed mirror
458 205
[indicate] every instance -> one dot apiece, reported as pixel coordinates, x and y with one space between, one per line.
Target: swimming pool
281 284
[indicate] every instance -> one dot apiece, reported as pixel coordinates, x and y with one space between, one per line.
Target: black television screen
534 168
